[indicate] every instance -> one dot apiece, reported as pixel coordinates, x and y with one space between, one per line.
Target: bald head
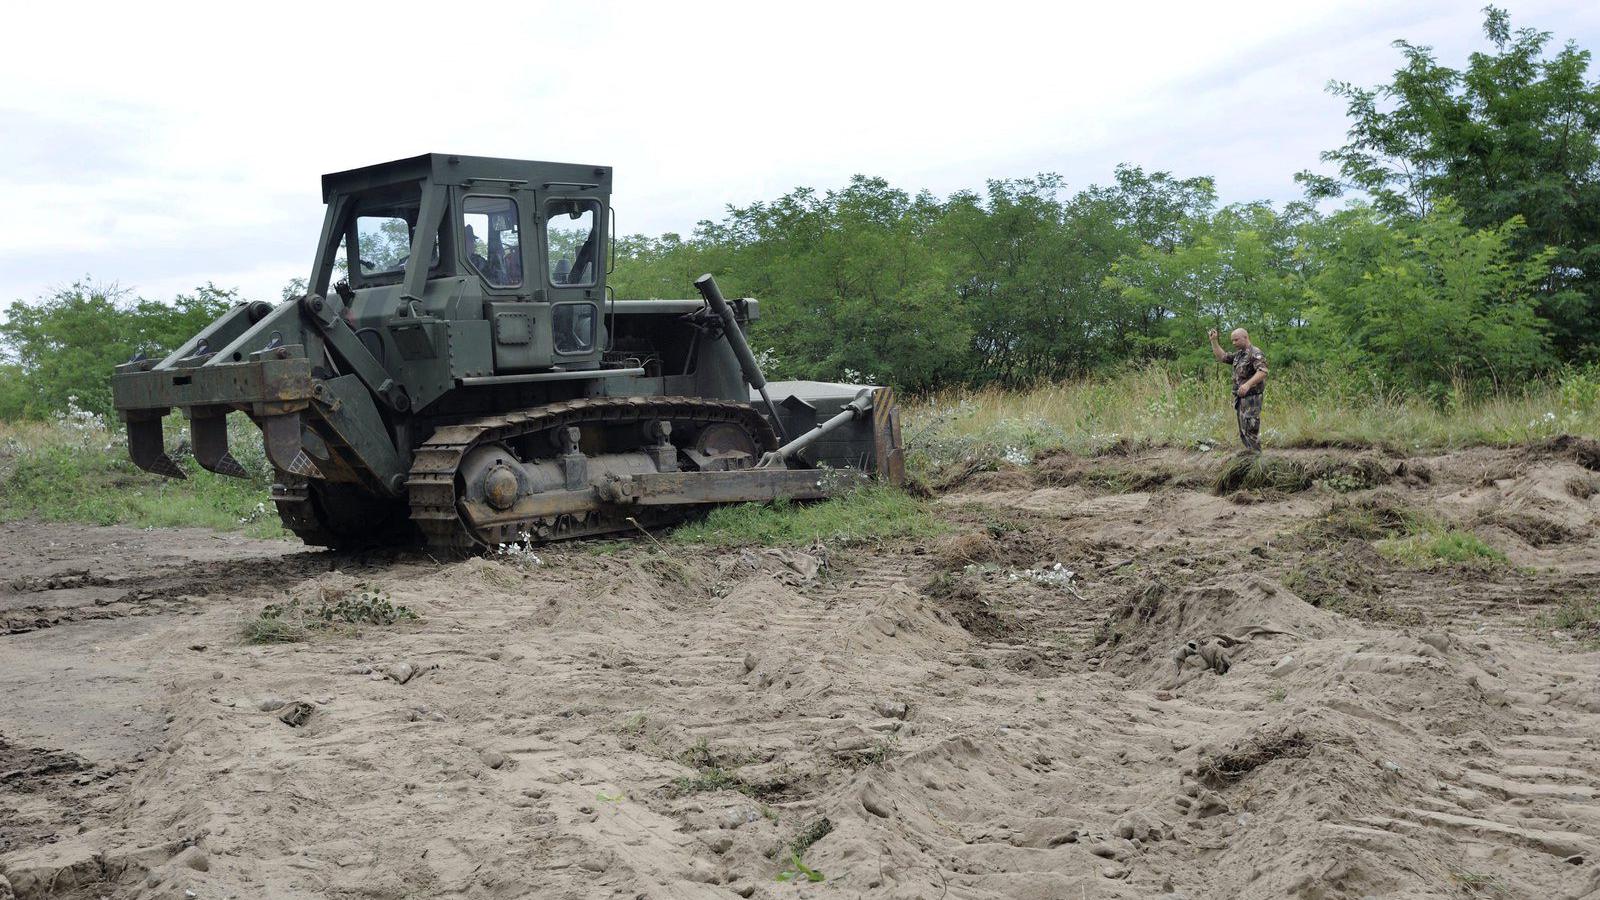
1240 338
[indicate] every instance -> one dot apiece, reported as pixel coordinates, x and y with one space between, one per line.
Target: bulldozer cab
436 234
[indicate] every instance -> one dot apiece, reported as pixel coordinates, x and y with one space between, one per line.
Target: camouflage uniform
1246 363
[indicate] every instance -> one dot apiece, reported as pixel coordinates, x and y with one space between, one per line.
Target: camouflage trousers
1248 408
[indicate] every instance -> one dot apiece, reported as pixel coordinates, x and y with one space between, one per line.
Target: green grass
872 513
1435 545
78 471
1157 406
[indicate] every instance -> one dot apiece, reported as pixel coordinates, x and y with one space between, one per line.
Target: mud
1002 710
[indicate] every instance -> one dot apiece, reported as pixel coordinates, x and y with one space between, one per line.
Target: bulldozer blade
284 446
210 437
148 448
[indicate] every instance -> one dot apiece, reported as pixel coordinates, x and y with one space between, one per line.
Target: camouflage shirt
1246 363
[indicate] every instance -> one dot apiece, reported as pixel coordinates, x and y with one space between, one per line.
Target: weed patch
1262 473
1579 615
871 513
1383 514
1437 545
77 470
332 611
1343 578
713 771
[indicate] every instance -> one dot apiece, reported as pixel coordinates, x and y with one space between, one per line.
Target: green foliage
874 512
797 870
1515 134
64 345
1423 304
1025 281
75 468
1436 545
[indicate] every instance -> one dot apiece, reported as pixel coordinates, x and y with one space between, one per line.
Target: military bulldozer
459 373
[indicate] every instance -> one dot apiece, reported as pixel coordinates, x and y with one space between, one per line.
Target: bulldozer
458 373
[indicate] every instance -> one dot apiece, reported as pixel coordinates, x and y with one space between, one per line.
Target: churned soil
1102 680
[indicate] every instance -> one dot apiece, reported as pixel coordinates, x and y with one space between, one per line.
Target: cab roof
453 169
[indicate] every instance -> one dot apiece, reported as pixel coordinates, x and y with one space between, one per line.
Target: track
432 486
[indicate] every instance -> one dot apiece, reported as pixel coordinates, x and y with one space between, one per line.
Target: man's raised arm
1216 348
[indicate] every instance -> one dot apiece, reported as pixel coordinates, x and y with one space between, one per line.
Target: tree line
1467 250
1457 241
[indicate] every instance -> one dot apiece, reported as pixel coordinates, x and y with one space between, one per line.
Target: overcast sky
162 145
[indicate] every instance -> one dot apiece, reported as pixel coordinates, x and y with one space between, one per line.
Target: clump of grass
1227 768
1481 885
870 513
808 836
1348 475
273 627
713 772
1436 545
1579 615
712 779
1261 472
1118 480
1380 515
332 611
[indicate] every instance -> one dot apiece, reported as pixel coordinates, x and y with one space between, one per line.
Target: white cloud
166 145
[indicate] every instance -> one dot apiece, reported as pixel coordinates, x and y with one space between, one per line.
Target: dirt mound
1163 634
1581 450
1347 578
965 602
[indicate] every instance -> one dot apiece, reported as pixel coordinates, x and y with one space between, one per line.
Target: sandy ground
951 717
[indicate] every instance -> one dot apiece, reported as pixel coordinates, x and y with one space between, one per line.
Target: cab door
574 240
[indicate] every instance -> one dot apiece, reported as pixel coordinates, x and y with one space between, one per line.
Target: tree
66 344
1237 268
1514 134
1432 302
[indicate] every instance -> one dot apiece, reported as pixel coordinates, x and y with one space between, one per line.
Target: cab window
574 241
383 243
490 241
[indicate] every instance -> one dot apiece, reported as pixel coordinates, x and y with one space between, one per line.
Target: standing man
1249 372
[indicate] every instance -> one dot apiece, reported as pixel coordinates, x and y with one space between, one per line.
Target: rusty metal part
208 433
146 444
